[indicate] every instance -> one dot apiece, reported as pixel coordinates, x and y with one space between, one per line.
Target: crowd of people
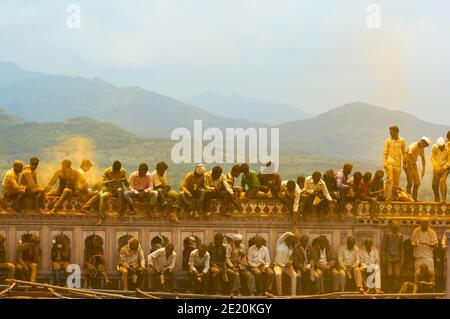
199 187
227 266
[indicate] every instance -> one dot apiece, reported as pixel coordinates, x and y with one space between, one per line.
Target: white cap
440 141
200 169
237 237
426 139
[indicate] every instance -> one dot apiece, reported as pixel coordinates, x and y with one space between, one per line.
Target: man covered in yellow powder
67 177
415 150
30 181
11 187
393 155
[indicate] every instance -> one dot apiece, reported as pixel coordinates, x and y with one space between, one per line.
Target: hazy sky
315 55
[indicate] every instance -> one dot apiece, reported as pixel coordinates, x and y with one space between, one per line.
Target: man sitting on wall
11 187
270 181
4 264
250 183
199 260
68 178
290 197
193 190
217 187
132 263
348 261
29 258
258 258
60 256
165 192
141 187
315 195
161 264
33 189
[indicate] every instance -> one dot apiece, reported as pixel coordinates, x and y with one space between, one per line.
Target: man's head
236 170
424 142
379 174
316 176
66 165
351 241
35 239
34 163
259 241
301 181
368 243
290 241
2 240
393 131
424 224
367 177
202 250
245 169
18 166
290 185
395 226
218 239
347 169
441 143
134 243
200 169
323 241
85 165
117 166
161 168
357 177
143 169
216 172
237 238
304 241
169 249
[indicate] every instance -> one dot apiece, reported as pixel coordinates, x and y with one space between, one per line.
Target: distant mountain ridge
251 109
354 131
40 97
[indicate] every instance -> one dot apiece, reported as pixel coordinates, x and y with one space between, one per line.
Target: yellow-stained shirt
159 180
394 151
11 182
438 157
414 151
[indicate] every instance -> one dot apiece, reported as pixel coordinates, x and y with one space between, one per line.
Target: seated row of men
227 266
197 190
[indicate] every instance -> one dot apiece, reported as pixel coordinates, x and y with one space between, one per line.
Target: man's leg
437 175
396 179
443 185
258 279
66 194
94 199
339 280
34 270
214 275
409 178
293 276
9 267
389 182
278 279
416 182
357 273
269 275
124 277
104 198
249 279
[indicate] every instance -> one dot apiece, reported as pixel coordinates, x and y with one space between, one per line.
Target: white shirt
132 258
212 184
310 187
283 255
297 193
160 261
322 256
257 256
196 261
366 258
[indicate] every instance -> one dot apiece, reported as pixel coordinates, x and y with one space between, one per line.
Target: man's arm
251 261
325 191
267 257
385 153
340 181
173 259
185 184
54 179
296 199
191 261
341 258
149 184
